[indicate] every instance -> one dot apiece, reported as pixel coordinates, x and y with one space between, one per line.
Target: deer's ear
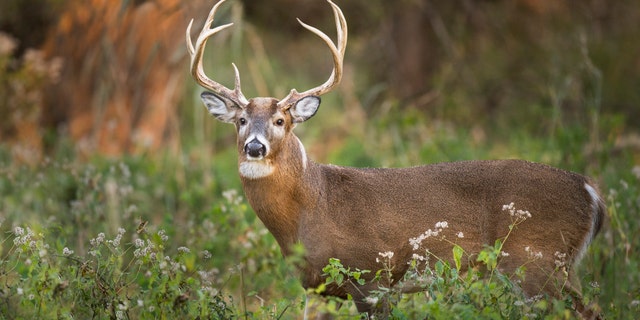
221 108
305 108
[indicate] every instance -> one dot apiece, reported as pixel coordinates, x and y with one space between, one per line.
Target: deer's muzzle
255 149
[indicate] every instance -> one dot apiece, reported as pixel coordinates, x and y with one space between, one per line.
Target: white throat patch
303 152
256 169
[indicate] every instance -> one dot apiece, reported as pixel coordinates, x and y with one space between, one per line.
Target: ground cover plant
169 234
122 239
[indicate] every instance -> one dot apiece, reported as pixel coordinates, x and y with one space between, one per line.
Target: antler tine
337 53
197 52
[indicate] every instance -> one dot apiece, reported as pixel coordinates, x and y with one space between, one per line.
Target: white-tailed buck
354 214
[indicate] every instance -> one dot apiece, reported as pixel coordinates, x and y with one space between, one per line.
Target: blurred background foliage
119 68
97 94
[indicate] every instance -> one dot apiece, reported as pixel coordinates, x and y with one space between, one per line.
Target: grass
171 236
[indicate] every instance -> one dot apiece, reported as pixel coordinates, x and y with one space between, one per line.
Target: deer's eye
279 122
242 121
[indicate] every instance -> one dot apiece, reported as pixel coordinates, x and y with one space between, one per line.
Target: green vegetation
169 235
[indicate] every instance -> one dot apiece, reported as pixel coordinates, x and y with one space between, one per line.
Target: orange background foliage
136 54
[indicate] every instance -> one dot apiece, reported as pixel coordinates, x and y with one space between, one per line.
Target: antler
197 70
338 55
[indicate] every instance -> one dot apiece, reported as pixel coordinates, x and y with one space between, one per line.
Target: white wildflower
516 213
442 225
163 236
371 300
183 250
387 255
523 214
66 251
123 305
417 241
97 240
508 207
232 196
533 254
561 259
18 231
534 299
116 241
460 235
418 257
504 254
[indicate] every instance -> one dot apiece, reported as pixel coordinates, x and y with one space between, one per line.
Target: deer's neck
279 197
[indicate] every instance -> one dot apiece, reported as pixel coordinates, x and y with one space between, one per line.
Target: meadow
172 236
169 234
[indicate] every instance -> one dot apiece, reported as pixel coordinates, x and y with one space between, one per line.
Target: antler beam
338 56
197 52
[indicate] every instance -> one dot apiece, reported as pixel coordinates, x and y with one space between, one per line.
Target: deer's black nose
255 149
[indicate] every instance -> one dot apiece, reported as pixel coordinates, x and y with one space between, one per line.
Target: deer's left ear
305 108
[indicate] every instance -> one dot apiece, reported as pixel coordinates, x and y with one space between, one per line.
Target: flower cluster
163 235
116 241
533 254
386 255
26 240
67 252
232 197
144 249
97 240
23 237
561 259
439 226
516 213
167 265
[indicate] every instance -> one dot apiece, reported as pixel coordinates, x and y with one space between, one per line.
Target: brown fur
354 214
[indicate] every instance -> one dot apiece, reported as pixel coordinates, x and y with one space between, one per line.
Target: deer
354 214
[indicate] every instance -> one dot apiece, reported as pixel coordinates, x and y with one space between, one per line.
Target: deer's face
262 127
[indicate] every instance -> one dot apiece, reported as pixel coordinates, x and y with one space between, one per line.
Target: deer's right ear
221 108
